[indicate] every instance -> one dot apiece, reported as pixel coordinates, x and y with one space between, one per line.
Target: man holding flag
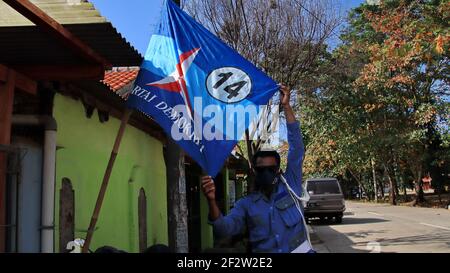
271 214
204 95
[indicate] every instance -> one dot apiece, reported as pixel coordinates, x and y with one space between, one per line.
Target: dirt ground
431 200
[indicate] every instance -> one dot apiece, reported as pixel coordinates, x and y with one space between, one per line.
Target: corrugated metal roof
63 11
25 44
29 45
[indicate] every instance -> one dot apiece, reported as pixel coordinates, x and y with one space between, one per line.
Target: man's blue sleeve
295 156
233 223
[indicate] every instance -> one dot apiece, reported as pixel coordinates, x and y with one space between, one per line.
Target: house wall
84 146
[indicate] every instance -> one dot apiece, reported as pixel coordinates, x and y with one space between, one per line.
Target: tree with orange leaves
382 112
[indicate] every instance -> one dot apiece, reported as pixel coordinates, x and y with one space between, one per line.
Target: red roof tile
116 80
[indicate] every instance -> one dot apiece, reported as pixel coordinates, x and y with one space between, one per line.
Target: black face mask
266 176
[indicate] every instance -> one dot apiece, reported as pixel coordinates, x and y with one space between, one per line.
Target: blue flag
199 90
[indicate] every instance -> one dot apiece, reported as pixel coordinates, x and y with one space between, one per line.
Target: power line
317 18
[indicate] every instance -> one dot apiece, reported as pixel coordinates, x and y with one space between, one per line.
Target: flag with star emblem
198 89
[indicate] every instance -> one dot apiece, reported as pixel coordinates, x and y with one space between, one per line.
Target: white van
326 199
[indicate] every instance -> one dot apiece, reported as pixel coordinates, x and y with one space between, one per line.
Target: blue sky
135 19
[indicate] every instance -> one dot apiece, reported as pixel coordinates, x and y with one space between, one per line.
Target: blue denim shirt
275 224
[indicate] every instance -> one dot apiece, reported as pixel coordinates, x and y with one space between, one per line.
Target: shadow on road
426 239
333 241
337 242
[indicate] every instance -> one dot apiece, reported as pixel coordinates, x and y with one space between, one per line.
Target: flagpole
98 205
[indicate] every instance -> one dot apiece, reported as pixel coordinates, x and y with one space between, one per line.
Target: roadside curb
316 242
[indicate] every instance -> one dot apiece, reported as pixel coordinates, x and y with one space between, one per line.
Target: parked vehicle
326 199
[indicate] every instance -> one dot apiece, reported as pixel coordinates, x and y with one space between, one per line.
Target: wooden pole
104 186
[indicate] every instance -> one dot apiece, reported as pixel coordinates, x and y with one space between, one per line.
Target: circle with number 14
229 84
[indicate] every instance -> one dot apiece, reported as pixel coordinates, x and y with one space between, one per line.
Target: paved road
384 228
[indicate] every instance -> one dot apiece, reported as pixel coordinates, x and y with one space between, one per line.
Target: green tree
381 106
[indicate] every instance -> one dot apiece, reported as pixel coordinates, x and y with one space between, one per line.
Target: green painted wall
206 229
85 149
